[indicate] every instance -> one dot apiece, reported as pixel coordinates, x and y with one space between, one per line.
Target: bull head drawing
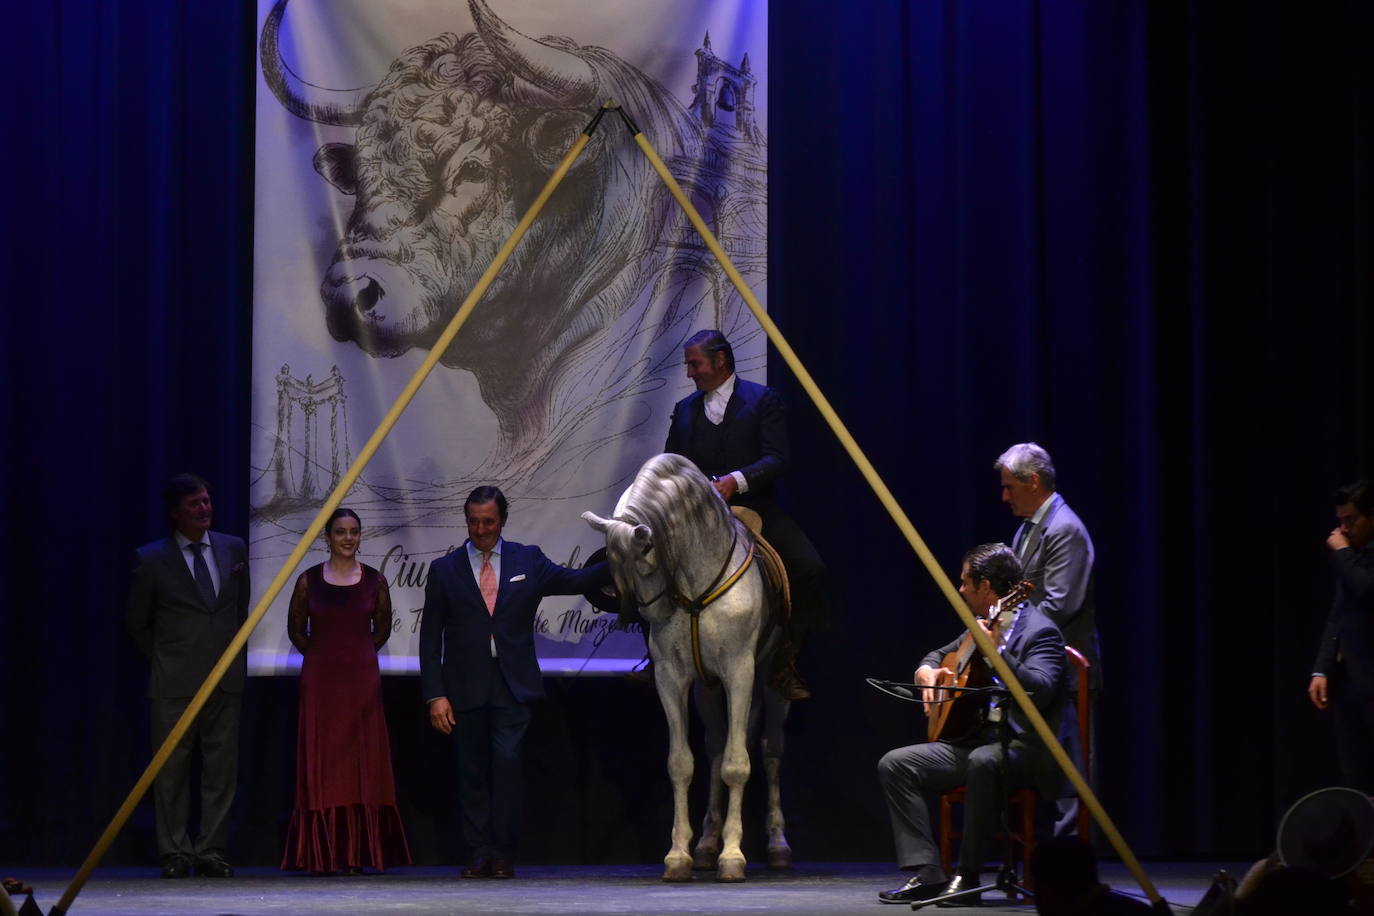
450 148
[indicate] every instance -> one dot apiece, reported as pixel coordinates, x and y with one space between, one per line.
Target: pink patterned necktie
486 582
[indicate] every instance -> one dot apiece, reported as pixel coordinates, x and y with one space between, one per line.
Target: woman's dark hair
339 513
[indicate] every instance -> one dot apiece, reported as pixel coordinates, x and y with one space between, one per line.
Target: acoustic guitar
955 716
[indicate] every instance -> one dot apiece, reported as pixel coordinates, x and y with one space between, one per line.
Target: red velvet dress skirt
345 814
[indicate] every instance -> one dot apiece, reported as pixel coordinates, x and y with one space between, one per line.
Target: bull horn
596 521
560 74
342 107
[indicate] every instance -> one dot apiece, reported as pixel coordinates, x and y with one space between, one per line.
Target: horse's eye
470 171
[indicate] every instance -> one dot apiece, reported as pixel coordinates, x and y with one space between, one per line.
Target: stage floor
810 889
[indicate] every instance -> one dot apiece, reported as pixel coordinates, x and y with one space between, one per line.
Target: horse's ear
596 521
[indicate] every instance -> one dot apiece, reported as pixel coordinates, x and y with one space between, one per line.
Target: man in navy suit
479 671
736 432
1033 648
1343 674
188 598
1056 552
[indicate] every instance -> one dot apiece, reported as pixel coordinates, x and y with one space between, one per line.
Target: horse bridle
694 606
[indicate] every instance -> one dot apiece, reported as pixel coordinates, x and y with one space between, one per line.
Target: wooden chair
1021 805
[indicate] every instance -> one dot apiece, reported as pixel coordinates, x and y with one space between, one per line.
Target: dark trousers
805 571
217 731
489 743
906 774
1353 715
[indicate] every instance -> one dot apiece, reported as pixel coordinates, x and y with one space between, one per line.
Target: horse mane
676 501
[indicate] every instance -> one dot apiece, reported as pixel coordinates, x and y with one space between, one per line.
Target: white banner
398 143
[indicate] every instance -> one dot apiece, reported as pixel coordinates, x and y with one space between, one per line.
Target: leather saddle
768 557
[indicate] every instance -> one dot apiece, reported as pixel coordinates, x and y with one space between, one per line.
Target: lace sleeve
381 615
298 616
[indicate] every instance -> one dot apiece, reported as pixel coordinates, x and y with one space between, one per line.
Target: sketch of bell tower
723 94
727 183
298 445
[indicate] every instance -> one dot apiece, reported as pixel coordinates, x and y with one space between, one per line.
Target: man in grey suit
188 598
1054 548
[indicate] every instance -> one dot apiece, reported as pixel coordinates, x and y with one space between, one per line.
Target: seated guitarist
1033 648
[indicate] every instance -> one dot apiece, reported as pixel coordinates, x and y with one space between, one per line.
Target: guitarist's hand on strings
928 677
987 624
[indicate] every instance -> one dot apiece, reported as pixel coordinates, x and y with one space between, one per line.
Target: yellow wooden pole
330 504
984 643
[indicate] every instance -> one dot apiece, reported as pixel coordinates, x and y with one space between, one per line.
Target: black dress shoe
960 883
500 868
214 866
478 869
915 889
176 867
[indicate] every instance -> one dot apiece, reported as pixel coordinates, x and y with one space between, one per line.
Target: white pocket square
519 578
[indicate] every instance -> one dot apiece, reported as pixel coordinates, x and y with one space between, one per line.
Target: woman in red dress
345 815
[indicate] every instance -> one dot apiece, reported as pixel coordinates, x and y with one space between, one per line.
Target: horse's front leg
672 693
711 708
775 714
734 767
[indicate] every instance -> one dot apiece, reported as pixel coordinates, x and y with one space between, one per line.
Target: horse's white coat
672 535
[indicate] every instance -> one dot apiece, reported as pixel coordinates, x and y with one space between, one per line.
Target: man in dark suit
188 599
1033 648
736 432
1056 552
479 671
1343 674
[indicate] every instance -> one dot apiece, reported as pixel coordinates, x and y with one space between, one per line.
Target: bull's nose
348 301
356 295
369 303
368 292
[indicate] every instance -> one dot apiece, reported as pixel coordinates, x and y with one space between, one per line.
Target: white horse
676 550
767 715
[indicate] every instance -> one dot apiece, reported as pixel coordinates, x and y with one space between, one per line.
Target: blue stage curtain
1138 233
128 188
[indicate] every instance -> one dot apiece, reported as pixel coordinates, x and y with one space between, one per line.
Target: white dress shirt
715 402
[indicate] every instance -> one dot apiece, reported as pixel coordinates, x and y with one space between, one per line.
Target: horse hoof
730 870
705 859
678 871
780 857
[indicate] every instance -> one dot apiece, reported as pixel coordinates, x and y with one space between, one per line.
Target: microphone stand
911 693
1007 880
